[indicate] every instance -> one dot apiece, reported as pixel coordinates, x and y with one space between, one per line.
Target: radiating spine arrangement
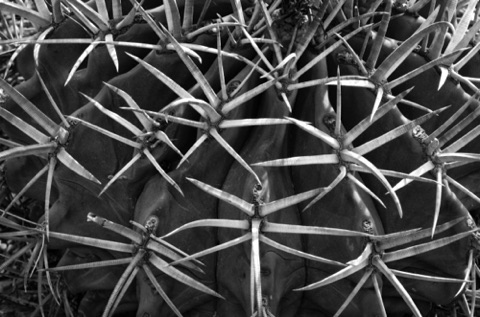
242 158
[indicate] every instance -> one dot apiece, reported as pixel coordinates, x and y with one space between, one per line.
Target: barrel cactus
241 158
